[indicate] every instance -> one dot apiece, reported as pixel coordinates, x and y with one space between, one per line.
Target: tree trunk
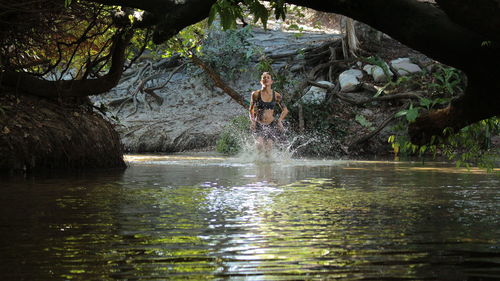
351 38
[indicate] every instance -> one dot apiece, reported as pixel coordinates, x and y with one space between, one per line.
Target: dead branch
365 138
134 93
218 81
372 133
407 95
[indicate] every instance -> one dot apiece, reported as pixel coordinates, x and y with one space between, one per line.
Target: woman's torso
265 107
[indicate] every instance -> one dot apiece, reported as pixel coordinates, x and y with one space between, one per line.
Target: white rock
377 72
404 67
316 95
368 69
349 80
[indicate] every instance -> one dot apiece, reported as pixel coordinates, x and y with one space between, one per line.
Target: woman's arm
284 109
251 110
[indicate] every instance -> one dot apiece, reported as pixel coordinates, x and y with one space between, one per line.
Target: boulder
316 95
377 72
349 80
404 66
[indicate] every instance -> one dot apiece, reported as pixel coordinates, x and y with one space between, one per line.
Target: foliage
486 43
473 144
233 136
230 10
187 40
444 84
469 146
299 29
265 64
72 41
446 81
228 52
429 103
402 83
411 113
4 108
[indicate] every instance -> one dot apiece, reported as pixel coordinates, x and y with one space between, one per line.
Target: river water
202 217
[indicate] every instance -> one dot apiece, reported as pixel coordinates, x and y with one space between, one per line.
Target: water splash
283 149
287 146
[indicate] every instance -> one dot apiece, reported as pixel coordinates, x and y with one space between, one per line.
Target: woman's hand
280 126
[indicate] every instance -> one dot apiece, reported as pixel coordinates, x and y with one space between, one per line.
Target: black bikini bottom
267 131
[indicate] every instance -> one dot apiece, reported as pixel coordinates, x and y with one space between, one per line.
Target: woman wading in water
263 124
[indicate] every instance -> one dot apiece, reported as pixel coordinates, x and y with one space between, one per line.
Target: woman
262 105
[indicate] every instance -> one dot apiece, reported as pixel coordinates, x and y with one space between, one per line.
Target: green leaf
391 138
412 114
422 149
425 102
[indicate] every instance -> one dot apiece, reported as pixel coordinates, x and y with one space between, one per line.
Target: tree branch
372 133
72 88
219 82
420 25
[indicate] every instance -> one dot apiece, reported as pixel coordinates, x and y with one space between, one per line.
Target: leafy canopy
230 10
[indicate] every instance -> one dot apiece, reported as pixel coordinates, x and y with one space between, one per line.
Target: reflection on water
213 218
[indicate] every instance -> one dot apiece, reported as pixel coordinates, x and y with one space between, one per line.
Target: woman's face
266 80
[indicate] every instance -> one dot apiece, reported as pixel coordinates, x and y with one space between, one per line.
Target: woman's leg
260 144
268 146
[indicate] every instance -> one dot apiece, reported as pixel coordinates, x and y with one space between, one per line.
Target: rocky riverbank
189 113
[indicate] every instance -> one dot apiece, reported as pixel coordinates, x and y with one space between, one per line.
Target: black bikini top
261 105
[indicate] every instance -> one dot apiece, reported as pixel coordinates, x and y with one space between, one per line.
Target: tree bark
351 38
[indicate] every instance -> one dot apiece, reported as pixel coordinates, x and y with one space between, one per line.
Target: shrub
234 135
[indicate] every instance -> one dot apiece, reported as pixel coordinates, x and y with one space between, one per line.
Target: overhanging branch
419 25
72 88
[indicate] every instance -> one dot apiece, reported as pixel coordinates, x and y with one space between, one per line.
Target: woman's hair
264 73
